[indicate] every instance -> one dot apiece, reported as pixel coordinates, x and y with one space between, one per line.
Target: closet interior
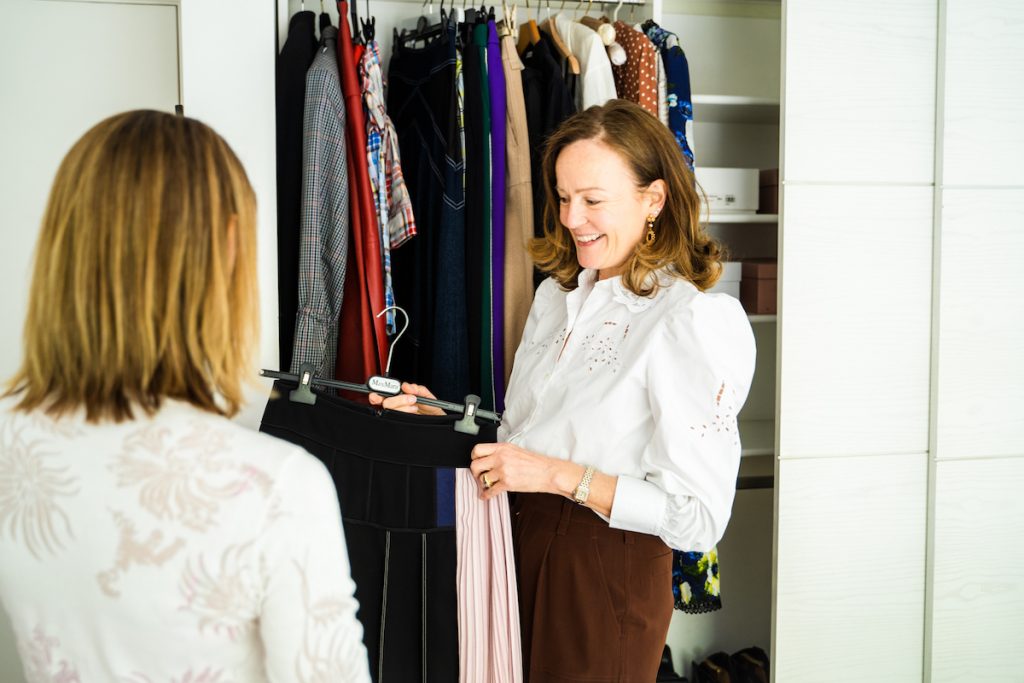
733 52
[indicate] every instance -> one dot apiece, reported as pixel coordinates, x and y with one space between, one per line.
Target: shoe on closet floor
751 665
716 668
666 673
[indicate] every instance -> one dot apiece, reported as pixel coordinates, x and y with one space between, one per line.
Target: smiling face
601 205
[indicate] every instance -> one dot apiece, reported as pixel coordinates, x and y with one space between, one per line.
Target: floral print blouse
177 547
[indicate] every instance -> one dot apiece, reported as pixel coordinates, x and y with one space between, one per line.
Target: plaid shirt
324 224
390 196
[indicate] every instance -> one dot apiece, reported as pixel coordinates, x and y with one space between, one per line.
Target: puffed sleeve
308 619
698 374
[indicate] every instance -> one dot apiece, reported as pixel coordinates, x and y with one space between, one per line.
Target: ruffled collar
620 294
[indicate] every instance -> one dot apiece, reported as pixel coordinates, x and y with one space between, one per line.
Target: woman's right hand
406 402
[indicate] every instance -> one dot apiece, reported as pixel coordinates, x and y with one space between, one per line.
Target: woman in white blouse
144 537
619 434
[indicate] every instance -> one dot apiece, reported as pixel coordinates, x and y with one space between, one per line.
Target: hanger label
384 385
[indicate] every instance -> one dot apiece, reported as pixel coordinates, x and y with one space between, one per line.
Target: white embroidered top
645 388
181 547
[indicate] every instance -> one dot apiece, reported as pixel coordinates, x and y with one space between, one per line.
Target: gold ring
487 482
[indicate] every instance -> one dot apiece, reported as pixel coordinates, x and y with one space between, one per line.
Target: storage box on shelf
759 286
728 190
729 282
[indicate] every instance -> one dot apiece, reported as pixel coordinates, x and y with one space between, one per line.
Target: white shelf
754 318
757 437
742 218
734 109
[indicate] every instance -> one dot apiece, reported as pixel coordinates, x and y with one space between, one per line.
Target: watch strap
582 491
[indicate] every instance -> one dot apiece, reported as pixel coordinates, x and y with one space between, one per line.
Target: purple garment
496 82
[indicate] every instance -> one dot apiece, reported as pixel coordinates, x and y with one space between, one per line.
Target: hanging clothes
662 87
490 648
362 336
518 204
391 200
399 523
677 77
292 64
478 209
637 79
596 82
496 91
324 214
548 103
430 271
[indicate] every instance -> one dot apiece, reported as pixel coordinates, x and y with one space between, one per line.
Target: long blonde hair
682 246
144 283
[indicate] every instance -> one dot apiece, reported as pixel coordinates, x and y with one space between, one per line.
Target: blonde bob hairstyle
144 283
681 247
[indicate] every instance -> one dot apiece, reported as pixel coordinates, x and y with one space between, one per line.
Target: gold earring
649 238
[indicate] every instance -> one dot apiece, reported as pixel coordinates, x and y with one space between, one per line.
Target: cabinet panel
984 93
65 66
978 596
856 320
851 568
859 83
980 382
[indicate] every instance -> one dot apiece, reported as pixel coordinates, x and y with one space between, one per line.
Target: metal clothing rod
363 389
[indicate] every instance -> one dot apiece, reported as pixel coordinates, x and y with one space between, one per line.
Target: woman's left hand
500 467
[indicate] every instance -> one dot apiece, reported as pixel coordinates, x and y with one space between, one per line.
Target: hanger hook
405 326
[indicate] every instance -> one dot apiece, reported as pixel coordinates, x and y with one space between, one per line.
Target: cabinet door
64 66
976 591
856 247
860 90
850 579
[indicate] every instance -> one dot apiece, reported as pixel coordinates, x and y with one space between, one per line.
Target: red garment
362 337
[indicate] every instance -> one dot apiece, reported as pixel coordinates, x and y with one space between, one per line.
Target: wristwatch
583 488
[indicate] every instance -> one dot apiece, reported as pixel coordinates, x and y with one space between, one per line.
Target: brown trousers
594 603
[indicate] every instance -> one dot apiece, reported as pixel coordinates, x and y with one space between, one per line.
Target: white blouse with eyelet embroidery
643 388
178 547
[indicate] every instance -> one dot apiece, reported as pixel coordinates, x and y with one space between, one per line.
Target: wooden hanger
529 34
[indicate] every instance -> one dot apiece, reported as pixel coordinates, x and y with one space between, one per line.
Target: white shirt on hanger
645 388
596 82
179 547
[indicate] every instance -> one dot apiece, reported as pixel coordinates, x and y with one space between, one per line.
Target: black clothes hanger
369 25
424 29
383 385
357 36
325 18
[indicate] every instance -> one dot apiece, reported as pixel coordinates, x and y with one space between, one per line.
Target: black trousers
429 272
395 478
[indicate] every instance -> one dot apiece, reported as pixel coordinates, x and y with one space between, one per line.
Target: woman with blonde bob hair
619 435
144 536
